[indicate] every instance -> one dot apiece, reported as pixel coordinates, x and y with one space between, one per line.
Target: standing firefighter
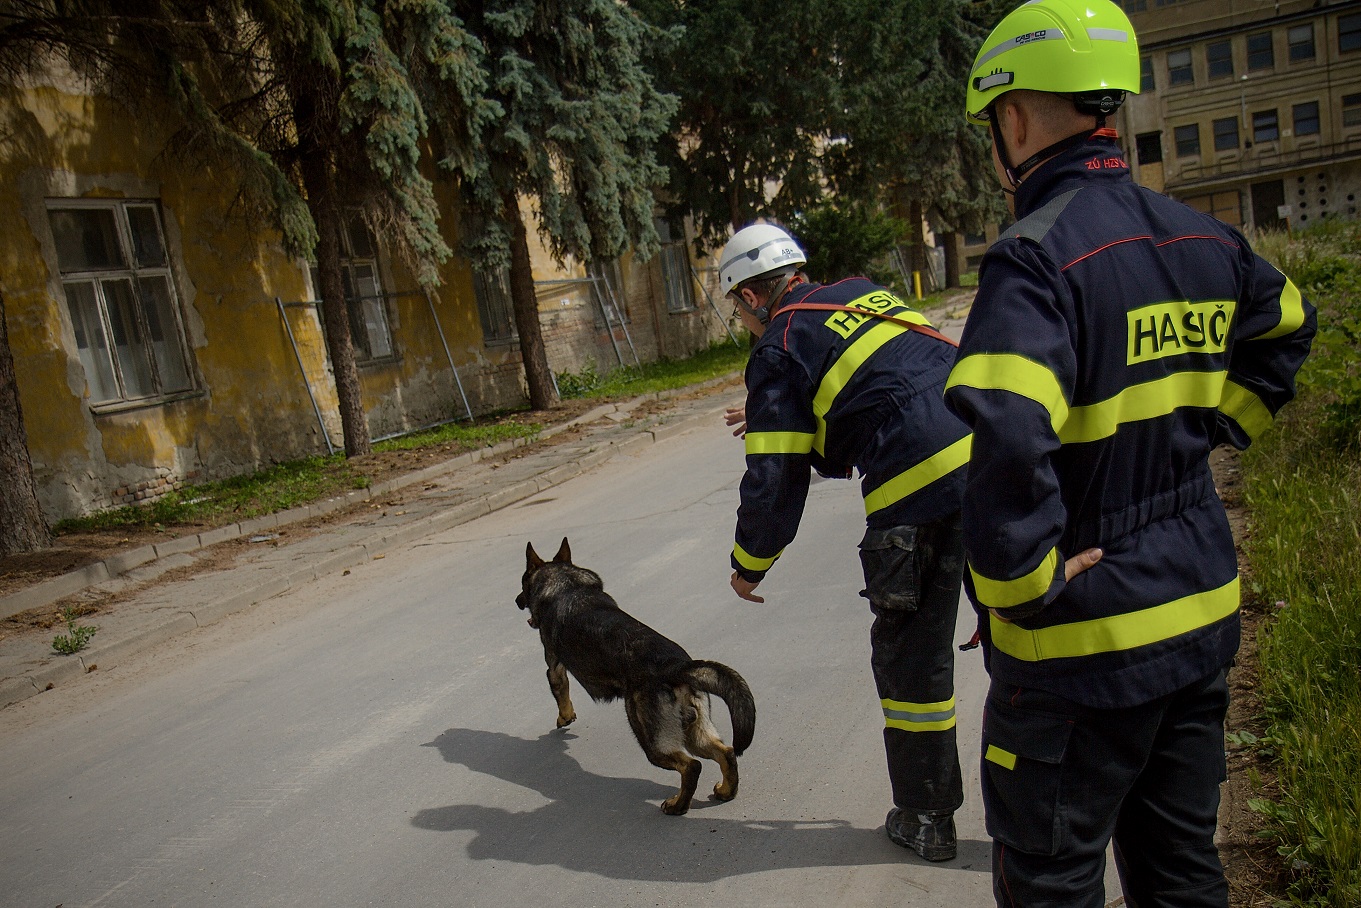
1117 337
848 376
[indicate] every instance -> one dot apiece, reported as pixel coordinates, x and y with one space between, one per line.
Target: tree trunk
22 528
951 241
525 305
319 180
914 223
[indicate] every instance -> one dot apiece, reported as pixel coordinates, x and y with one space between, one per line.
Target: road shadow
612 827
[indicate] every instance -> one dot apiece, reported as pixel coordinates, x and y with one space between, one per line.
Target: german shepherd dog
614 655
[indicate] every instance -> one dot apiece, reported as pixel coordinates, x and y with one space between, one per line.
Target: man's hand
1080 562
1071 568
736 416
744 588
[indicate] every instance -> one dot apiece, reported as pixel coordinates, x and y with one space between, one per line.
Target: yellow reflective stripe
1245 408
779 442
1292 311
840 374
919 476
751 562
1004 758
1014 373
1118 632
919 716
1006 593
1149 400
1003 594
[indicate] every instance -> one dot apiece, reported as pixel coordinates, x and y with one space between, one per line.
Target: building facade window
1187 139
1349 33
680 290
1146 81
1351 111
492 290
1227 206
1226 134
1261 55
1301 40
115 272
365 301
1179 68
1306 121
609 283
1266 127
1148 147
1219 59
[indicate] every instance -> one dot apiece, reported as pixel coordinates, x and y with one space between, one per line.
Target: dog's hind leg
702 740
558 684
663 741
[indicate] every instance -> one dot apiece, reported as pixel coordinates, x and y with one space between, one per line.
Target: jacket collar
1100 158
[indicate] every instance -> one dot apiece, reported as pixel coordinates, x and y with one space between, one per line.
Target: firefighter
1117 337
846 376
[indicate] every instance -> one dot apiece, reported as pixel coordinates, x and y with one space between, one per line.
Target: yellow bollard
917 284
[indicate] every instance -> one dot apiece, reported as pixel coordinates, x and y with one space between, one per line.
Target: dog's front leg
558 684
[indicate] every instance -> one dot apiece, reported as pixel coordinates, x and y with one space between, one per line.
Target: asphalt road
386 736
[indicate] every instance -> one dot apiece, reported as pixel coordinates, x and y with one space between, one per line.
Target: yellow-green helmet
1084 48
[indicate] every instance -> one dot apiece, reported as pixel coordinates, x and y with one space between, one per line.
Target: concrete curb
107 651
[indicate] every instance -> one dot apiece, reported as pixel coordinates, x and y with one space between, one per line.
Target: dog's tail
716 678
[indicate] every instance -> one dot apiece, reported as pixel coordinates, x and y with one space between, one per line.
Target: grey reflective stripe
1047 34
1037 224
753 254
918 718
1108 34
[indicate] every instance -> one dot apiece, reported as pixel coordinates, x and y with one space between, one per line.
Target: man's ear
1015 125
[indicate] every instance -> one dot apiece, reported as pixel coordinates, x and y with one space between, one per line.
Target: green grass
719 359
1303 548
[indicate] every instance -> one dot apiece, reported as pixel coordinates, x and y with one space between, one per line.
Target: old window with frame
1266 126
494 310
1219 59
1306 122
1349 33
608 280
1261 54
677 282
1301 41
1179 70
1149 147
1226 134
115 271
365 301
1351 111
1187 140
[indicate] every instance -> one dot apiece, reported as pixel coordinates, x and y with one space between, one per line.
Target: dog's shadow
612 827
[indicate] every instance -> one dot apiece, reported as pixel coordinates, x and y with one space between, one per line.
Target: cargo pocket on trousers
892 569
1022 767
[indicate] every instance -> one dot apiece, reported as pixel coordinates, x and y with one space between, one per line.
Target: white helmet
755 251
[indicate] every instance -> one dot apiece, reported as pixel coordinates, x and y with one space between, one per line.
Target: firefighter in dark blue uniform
1116 338
848 376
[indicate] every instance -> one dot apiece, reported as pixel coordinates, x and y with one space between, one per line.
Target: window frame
1297 49
370 321
1269 52
1221 135
495 308
677 281
1264 121
1215 65
1348 33
1351 110
143 370
1296 119
1182 144
1147 80
1151 141
1182 74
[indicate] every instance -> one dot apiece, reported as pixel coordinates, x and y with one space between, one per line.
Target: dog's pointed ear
532 560
564 554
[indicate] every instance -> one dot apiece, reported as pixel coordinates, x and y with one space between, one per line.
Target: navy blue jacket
836 390
1116 338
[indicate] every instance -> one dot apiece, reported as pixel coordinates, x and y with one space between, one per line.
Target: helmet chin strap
765 313
1017 173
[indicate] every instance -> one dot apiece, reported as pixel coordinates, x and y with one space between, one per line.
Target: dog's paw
674 806
564 721
724 792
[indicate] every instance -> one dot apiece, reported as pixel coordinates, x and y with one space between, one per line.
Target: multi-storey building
1249 109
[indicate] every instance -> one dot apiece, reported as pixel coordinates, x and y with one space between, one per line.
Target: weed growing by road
1304 559
76 636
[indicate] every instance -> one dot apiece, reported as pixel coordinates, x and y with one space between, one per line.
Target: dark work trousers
912 575
1061 780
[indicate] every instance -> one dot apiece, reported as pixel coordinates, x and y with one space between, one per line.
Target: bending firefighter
847 376
1116 338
